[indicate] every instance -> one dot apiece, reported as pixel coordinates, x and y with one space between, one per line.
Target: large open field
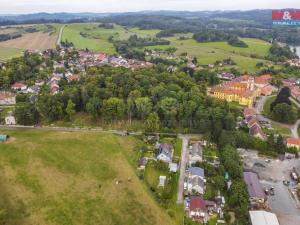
70 178
9 52
44 37
32 41
96 38
209 53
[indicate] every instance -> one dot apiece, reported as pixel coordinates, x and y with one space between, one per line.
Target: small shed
173 167
162 180
3 137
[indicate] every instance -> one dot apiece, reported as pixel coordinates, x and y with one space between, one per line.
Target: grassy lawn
281 130
70 178
151 177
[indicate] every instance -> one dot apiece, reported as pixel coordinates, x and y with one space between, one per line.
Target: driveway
184 160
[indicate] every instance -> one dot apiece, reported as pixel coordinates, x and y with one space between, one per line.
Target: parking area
272 173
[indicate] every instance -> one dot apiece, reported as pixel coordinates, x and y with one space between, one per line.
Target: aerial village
162 168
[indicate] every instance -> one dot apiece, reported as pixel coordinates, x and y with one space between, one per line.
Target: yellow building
242 90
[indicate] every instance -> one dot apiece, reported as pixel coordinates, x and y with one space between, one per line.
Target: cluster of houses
255 123
196 208
20 87
259 213
294 62
87 59
293 86
244 89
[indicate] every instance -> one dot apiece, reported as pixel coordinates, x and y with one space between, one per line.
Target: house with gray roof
165 153
196 153
196 185
256 193
196 172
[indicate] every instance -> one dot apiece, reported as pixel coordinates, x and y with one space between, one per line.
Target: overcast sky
33 6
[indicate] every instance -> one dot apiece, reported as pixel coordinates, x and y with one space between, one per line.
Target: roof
293 141
173 167
166 149
18 85
197 203
263 79
266 90
263 218
196 149
196 171
249 112
253 186
197 181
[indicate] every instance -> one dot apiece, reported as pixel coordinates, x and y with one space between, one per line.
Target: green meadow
73 178
96 38
8 52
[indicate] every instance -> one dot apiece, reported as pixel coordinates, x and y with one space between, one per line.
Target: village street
184 159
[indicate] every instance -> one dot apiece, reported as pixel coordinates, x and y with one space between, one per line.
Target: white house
165 153
196 185
10 120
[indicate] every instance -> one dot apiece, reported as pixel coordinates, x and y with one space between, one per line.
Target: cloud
31 6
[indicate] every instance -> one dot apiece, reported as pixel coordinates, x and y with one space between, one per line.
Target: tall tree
70 110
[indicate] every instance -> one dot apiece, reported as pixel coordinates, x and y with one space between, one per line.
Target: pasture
71 178
96 38
209 53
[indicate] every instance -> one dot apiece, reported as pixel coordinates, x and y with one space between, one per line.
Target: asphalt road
184 160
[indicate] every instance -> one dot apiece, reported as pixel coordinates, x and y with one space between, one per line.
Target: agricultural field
9 52
33 37
96 38
71 178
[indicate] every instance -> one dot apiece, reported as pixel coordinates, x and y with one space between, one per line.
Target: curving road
259 106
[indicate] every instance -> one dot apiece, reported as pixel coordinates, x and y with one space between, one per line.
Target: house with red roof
18 86
197 210
249 112
266 90
256 131
293 143
262 80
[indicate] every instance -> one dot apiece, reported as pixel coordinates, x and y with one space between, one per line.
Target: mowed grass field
70 178
96 38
